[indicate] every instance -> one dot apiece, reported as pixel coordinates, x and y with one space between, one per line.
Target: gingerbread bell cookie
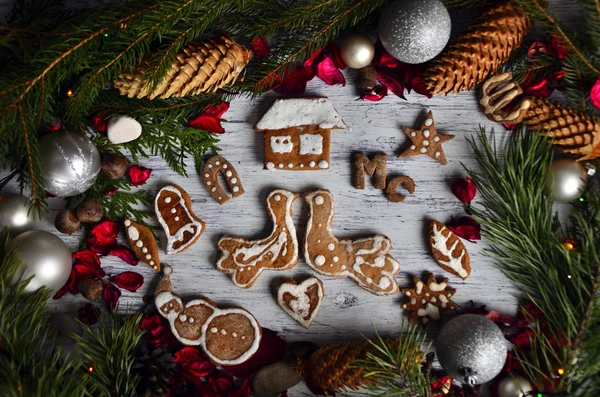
142 243
365 260
448 250
301 301
246 259
428 299
228 336
173 208
298 133
211 168
426 140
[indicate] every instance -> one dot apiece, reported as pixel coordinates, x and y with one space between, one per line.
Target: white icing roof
295 112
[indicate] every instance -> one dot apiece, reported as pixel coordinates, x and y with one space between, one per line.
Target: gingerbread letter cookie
392 186
426 140
448 250
246 259
173 208
211 168
427 300
229 336
374 166
365 260
297 133
301 301
142 243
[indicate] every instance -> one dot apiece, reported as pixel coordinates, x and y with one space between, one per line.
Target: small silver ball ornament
514 386
566 180
70 163
357 51
471 348
45 257
15 214
415 31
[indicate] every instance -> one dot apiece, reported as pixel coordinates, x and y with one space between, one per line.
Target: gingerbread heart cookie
301 301
448 250
229 336
142 243
173 208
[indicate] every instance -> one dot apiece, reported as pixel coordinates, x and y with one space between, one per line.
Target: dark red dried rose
391 83
560 48
464 189
329 72
138 175
150 321
210 119
191 360
106 231
272 348
126 254
111 296
466 227
131 281
99 123
260 48
89 314
295 82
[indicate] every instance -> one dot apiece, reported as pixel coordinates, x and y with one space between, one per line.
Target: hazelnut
366 79
66 222
90 288
114 165
90 210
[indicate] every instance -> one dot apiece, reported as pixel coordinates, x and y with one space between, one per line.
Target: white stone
122 129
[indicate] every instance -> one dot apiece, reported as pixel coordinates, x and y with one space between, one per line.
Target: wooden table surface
347 310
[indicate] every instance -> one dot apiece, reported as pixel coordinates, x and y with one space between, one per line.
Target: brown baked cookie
427 300
173 208
426 140
375 166
365 260
229 336
298 133
211 168
142 243
448 250
392 186
301 301
246 259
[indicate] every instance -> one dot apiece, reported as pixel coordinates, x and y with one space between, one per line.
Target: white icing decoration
312 164
139 243
243 337
224 166
311 144
207 175
413 134
319 200
144 250
438 286
182 317
412 147
426 133
290 165
270 165
440 244
437 154
419 287
281 144
234 180
133 233
299 307
331 246
295 112
425 142
214 330
127 222
223 332
336 259
228 173
428 122
319 260
343 267
209 165
217 163
151 263
208 183
174 210
214 189
235 189
176 219
436 138
277 197
148 256
301 165
234 334
191 320
280 165
323 164
423 150
430 311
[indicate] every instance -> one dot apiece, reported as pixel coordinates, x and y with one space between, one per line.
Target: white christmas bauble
122 129
43 256
414 31
566 180
70 163
514 386
15 214
357 51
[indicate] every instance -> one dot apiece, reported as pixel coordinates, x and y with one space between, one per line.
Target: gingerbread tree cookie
426 140
427 300
448 250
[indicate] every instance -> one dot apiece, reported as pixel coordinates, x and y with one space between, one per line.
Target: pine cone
156 369
481 50
573 132
200 67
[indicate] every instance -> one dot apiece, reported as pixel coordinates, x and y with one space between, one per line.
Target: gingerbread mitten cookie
246 259
173 208
141 241
448 250
301 301
365 260
229 336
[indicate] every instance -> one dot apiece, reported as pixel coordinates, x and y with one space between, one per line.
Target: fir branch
576 93
465 4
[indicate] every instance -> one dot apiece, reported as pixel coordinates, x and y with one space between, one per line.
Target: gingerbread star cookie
428 299
426 140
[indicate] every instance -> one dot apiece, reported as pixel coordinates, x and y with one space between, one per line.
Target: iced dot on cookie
234 334
428 122
277 197
170 304
127 222
243 337
369 280
148 256
336 259
319 200
312 164
323 164
331 265
234 180
270 165
207 175
228 173
235 189
407 293
423 150
280 165
217 163
331 246
412 147
191 320
151 263
223 332
319 260
425 142
290 165
224 166
139 243
144 250
173 210
214 189
208 183
437 154
343 267
413 134
182 317
177 218
210 166
214 330
436 138
426 133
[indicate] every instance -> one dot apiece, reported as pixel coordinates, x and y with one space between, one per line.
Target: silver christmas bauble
70 163
43 256
566 180
414 31
514 386
357 51
15 214
471 348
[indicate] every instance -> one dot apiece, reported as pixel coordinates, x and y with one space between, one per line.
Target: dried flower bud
90 211
114 165
90 288
66 222
366 80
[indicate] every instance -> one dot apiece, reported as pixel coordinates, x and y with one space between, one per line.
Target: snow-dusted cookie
246 259
365 260
211 168
173 208
228 336
427 299
448 250
142 243
301 301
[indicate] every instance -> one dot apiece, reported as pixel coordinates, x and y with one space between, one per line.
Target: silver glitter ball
471 348
566 180
45 257
70 163
414 31
15 214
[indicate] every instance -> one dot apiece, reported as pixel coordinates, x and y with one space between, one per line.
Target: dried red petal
561 50
190 360
329 73
384 59
61 292
243 390
138 175
87 257
260 48
86 270
150 321
223 382
540 89
595 94
464 189
500 319
105 232
125 253
161 336
378 93
295 82
110 191
210 119
88 314
272 348
466 227
54 125
314 59
524 338
111 296
392 84
131 281
334 51
510 127
100 123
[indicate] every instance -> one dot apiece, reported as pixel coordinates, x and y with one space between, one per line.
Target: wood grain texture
347 310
